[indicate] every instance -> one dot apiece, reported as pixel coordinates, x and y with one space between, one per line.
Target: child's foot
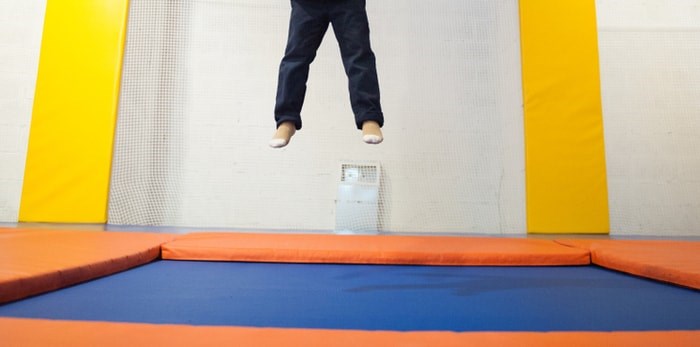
283 134
372 132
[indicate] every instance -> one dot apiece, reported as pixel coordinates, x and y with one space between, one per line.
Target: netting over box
197 111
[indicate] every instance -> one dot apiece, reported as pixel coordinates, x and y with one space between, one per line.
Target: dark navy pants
308 24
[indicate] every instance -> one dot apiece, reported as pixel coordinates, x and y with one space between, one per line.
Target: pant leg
308 24
351 27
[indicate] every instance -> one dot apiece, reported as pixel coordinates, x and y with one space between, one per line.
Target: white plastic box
357 203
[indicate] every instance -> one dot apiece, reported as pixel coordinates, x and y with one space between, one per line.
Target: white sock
372 139
283 135
278 143
372 133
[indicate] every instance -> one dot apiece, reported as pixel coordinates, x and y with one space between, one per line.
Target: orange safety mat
372 249
30 332
34 261
676 262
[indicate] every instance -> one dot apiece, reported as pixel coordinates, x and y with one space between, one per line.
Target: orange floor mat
34 261
372 249
30 332
675 262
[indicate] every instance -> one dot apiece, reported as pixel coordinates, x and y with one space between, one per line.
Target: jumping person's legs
351 27
308 24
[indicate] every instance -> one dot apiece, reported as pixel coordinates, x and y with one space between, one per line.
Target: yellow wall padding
565 153
72 131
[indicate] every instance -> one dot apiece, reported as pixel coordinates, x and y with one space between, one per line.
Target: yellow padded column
565 154
72 131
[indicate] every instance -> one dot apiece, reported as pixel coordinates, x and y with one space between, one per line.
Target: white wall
649 52
450 78
21 25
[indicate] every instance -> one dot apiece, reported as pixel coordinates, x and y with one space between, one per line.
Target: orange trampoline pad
30 332
675 262
372 249
35 261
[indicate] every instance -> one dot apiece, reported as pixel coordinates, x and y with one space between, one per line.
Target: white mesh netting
650 78
196 110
